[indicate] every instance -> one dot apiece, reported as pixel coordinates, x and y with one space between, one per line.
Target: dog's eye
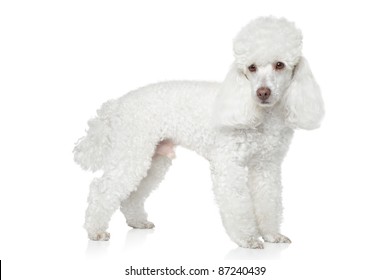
252 68
279 65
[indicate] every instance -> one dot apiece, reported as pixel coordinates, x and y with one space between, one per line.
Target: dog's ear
303 104
234 105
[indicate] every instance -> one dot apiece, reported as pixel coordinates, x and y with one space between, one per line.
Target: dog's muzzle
263 93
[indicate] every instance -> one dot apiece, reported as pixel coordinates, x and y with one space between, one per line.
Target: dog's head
269 70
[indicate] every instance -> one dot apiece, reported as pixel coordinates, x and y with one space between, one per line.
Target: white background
59 60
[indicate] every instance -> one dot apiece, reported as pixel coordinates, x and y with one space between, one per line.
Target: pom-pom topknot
267 39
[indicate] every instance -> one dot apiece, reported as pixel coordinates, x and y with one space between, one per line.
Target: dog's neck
272 118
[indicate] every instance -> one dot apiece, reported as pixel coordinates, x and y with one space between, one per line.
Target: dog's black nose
263 93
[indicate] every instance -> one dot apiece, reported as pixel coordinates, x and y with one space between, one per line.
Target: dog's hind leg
106 194
133 206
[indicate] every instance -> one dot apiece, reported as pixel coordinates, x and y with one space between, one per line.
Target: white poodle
243 127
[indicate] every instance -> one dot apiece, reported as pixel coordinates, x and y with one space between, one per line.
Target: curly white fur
244 138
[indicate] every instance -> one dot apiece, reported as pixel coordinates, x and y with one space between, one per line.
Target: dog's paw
276 238
140 224
99 236
251 243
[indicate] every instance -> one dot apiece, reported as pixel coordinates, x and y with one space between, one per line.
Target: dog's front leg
266 188
235 202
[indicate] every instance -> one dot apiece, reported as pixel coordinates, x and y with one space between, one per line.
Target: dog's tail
91 151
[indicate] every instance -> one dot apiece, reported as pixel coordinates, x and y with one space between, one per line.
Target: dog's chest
266 142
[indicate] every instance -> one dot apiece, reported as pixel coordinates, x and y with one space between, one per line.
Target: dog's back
144 117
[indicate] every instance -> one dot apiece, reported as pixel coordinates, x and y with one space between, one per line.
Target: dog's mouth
265 103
